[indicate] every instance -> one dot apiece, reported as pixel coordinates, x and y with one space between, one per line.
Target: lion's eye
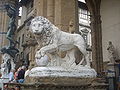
39 25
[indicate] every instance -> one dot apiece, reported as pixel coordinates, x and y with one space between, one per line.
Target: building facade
102 26
84 26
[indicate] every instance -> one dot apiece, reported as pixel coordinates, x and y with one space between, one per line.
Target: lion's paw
38 55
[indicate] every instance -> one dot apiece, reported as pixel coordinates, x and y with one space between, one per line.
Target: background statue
111 52
11 12
6 65
10 49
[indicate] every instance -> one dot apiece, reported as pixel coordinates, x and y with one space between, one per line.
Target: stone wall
59 12
110 25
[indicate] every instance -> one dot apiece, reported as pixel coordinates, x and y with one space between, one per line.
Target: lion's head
39 25
42 29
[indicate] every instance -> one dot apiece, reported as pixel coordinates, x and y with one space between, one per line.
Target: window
83 14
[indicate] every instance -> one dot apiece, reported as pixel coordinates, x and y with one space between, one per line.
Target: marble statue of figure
52 39
7 64
111 52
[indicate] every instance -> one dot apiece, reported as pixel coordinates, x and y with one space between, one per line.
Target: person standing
21 74
11 75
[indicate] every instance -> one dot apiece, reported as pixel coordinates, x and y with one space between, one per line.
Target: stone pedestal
62 83
111 70
111 76
58 71
57 78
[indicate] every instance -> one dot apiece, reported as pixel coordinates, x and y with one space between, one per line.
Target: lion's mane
46 35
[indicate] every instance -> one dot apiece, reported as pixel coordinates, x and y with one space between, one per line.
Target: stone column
65 11
97 44
50 10
97 54
57 18
41 7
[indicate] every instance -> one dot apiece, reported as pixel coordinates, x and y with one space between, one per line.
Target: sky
82 0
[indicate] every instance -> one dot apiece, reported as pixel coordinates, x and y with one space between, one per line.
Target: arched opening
93 12
96 34
84 25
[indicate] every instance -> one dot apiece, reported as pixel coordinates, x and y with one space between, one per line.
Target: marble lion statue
52 39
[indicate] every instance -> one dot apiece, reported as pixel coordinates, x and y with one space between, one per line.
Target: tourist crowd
18 75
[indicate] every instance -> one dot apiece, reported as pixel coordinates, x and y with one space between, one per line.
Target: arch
97 54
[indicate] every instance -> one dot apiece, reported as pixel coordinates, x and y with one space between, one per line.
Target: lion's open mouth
37 33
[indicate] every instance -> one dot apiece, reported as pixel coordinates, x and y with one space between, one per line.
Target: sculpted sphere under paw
43 61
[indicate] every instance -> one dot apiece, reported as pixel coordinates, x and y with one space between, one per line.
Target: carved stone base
58 71
60 80
62 83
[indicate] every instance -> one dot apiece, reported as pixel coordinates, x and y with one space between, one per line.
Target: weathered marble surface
52 40
54 71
